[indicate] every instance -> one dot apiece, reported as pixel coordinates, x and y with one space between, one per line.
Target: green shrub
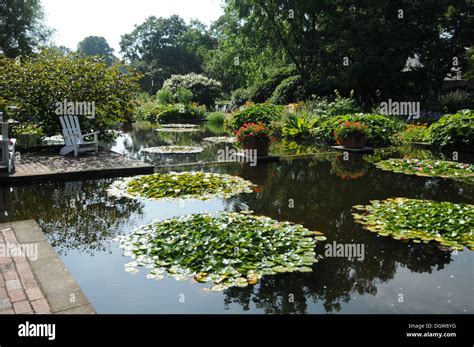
340 106
240 96
289 90
216 118
453 102
205 90
412 133
381 129
180 112
256 113
184 95
299 126
455 130
44 79
147 111
263 90
165 96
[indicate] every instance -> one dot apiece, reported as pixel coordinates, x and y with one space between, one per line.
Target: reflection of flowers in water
173 150
352 168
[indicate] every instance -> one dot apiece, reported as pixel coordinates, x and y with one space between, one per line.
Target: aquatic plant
183 185
227 248
449 224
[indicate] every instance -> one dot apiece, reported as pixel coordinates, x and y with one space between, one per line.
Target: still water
80 221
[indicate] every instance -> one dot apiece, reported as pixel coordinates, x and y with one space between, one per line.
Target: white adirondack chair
74 139
8 148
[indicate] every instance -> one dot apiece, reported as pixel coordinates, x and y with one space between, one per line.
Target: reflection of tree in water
75 215
323 201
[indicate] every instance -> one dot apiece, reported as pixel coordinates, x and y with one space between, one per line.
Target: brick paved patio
35 282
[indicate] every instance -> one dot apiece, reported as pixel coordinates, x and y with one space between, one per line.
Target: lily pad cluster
178 128
173 150
449 224
427 167
182 185
226 248
220 139
180 125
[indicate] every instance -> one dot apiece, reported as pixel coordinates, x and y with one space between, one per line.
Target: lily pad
446 223
183 185
220 139
204 246
428 167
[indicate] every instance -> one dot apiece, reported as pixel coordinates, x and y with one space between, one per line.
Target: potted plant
351 134
254 136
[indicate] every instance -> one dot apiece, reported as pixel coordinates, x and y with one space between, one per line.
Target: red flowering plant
348 132
250 133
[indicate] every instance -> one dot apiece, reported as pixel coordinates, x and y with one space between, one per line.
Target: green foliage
455 101
184 185
205 90
339 106
264 90
256 113
165 96
289 90
381 129
21 28
299 126
226 248
183 95
216 118
448 224
412 133
162 47
456 130
96 45
240 96
427 167
179 112
27 134
44 79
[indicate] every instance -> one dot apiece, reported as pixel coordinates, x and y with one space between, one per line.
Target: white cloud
73 20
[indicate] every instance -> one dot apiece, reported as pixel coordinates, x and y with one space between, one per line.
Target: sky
73 20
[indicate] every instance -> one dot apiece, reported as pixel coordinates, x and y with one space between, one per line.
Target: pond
81 220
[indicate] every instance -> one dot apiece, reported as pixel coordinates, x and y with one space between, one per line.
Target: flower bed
173 150
227 248
451 225
184 185
427 167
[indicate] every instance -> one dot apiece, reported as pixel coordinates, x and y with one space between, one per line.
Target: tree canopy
96 45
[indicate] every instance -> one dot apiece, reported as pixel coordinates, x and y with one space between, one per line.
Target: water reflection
74 215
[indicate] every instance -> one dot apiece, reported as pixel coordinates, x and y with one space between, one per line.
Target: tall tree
21 29
363 45
96 45
160 47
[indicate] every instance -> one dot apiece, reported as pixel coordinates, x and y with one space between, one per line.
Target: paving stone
41 306
7 267
5 303
23 266
28 231
10 275
22 307
13 284
3 293
2 281
17 295
9 236
8 311
84 309
34 293
29 283
5 260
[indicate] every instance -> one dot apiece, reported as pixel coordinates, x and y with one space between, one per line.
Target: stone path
32 277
